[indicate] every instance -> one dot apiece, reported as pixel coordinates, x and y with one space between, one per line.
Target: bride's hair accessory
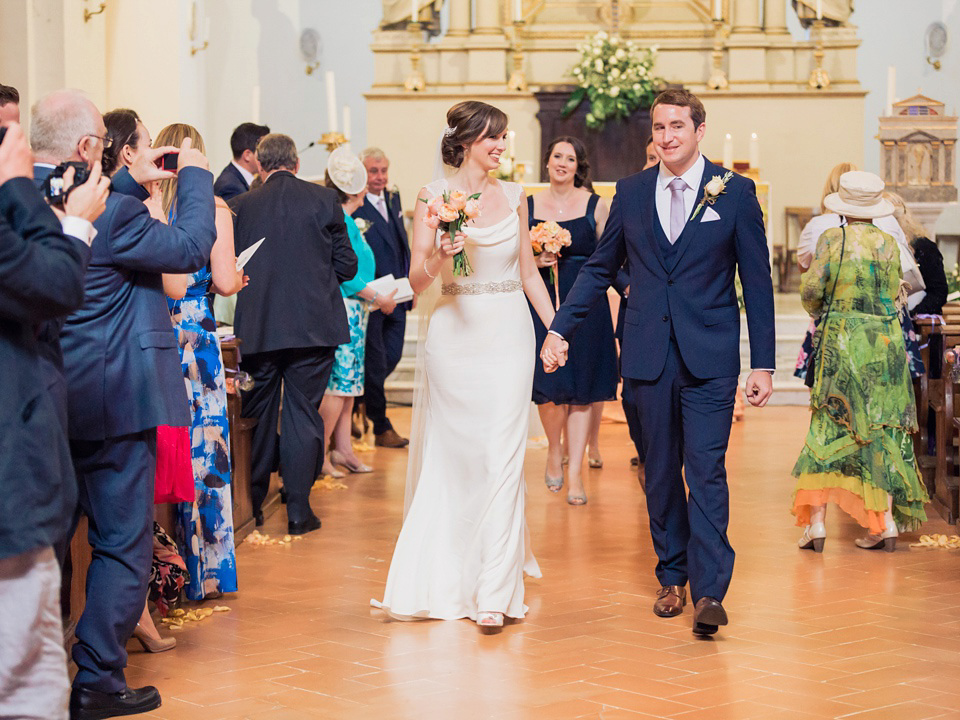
448 132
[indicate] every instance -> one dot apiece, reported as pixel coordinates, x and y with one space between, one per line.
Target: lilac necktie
678 216
382 207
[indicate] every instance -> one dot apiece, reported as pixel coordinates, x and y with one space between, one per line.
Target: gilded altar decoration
615 76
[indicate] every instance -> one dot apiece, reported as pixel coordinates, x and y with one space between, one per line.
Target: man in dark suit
290 319
687 227
387 237
239 173
41 277
9 104
123 379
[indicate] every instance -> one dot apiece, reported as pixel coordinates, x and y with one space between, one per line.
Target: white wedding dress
464 545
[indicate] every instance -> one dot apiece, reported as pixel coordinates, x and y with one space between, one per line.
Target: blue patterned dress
205 528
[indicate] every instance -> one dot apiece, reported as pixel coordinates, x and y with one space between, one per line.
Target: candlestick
754 151
728 151
511 143
330 79
346 122
819 80
891 88
518 80
415 81
718 77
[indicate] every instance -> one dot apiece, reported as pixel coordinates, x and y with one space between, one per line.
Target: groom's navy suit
680 356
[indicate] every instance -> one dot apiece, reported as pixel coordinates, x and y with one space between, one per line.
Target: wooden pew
931 351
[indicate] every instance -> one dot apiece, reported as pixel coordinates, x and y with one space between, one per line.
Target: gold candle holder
415 81
518 80
819 80
332 140
718 77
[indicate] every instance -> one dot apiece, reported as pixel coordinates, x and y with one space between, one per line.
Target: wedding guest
387 237
238 175
123 380
9 104
347 176
858 452
291 320
41 278
927 254
566 398
205 528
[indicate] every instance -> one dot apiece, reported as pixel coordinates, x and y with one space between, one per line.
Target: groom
685 234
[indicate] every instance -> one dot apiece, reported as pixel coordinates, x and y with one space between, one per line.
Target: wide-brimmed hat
860 196
346 171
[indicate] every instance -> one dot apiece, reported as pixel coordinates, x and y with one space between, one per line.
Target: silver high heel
554 484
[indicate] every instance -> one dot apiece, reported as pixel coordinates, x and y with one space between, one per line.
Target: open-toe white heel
814 536
490 619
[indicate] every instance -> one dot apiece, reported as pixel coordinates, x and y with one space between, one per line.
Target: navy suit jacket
387 238
694 297
121 358
41 278
230 183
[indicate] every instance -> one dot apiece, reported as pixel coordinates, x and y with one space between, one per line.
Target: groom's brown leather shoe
390 439
670 601
708 616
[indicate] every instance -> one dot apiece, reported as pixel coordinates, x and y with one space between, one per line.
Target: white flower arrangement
616 76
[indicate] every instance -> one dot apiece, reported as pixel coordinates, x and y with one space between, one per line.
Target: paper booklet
244 257
387 284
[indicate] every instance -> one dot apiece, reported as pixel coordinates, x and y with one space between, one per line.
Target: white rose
615 73
636 87
620 54
598 64
715 186
601 35
614 91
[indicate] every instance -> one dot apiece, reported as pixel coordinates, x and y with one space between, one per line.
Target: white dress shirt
247 175
691 177
380 203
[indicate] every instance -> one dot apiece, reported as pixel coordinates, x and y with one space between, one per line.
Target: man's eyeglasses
106 140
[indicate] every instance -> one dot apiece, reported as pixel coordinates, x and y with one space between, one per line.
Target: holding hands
554 353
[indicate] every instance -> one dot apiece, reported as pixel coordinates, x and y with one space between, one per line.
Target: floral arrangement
550 237
615 75
716 187
449 212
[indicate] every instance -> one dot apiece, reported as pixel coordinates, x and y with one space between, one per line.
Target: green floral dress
859 447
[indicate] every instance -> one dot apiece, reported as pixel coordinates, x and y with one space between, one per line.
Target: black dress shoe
303 527
258 518
708 615
87 704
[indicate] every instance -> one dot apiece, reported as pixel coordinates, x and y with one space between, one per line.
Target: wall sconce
311 47
87 14
194 49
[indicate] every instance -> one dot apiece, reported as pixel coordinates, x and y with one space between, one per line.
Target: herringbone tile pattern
847 634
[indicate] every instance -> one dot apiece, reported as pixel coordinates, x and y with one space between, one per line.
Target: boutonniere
711 191
362 225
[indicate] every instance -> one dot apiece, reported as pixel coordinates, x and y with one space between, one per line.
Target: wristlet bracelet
432 277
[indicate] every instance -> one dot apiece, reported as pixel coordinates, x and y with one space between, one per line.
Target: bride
464 545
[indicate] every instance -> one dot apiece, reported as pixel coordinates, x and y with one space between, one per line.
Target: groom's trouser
686 426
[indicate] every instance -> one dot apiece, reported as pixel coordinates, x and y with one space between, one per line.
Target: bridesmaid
205 528
570 398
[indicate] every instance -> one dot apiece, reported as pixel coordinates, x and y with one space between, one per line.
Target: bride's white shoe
490 619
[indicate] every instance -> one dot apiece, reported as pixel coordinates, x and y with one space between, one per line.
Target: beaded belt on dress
487 288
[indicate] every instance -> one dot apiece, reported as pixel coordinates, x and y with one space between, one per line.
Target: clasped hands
554 353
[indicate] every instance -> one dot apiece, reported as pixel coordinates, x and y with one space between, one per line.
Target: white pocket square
709 215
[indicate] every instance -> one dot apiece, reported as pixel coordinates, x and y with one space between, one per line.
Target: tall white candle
891 88
414 10
754 151
255 104
517 10
718 9
819 9
331 101
346 122
728 151
206 30
511 143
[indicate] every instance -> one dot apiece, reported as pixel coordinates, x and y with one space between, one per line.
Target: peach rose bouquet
550 237
449 212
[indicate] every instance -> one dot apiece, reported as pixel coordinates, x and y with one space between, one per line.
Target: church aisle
849 633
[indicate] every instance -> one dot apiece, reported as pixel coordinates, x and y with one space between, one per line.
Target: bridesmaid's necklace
562 204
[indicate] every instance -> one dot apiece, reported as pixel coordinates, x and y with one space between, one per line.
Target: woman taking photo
571 399
858 452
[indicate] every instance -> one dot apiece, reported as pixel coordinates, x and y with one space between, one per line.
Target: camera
52 187
168 161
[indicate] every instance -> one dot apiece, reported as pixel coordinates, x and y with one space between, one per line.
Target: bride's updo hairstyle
468 122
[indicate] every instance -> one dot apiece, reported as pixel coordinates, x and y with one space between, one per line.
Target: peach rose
432 221
472 209
458 200
447 213
433 207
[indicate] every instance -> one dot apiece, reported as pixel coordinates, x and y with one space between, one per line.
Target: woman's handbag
808 379
174 474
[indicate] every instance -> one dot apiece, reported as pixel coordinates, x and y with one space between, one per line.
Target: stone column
489 17
746 15
775 16
459 18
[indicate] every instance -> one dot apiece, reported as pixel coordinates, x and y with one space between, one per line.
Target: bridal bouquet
550 237
450 212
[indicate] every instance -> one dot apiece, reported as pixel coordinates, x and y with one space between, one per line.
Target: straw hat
860 196
346 171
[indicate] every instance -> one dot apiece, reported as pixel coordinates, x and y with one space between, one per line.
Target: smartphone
168 161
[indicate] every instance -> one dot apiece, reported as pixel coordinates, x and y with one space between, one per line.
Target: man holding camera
41 276
123 380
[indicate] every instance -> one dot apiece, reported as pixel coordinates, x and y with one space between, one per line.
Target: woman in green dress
858 452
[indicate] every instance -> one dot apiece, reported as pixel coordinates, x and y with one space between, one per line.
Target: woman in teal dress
858 452
348 177
205 528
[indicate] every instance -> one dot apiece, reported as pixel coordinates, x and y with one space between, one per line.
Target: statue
835 12
396 15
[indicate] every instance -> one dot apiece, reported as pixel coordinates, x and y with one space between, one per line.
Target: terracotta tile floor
846 634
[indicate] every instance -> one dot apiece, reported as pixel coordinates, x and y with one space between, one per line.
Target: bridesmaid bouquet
550 237
450 212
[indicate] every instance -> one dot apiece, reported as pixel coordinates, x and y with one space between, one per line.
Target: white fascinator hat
860 196
346 171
